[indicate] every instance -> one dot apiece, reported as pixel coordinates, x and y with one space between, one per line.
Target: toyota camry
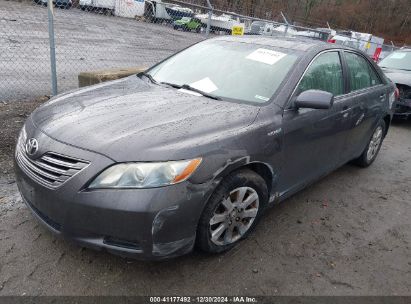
191 152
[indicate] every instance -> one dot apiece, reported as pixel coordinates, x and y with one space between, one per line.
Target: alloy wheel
234 216
374 143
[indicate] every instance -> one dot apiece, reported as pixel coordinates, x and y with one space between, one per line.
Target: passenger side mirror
314 99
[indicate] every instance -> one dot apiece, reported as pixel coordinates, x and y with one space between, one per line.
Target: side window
325 73
361 73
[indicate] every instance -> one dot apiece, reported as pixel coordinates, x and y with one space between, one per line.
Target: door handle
382 97
345 111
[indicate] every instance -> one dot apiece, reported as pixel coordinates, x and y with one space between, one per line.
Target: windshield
229 70
399 60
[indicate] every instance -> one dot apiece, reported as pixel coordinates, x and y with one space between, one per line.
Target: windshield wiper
151 78
190 88
177 86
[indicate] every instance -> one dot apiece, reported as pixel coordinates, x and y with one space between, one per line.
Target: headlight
392 99
145 175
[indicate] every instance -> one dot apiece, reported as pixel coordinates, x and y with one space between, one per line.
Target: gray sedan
193 151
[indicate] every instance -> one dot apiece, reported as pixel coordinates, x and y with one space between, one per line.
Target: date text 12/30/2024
176 299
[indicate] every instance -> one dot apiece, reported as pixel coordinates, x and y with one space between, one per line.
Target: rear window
361 74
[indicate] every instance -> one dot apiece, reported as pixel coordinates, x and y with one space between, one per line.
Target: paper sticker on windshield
398 55
262 97
205 85
266 56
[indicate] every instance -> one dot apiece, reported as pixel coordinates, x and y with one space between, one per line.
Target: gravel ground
84 42
348 234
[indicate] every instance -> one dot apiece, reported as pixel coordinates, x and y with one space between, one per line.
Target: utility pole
52 48
210 13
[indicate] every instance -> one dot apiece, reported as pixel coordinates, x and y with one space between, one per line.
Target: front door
313 139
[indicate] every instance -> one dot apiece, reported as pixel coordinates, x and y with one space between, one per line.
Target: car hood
398 76
131 119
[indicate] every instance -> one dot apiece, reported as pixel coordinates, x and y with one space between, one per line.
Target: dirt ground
348 234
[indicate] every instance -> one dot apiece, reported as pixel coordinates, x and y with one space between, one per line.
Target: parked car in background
188 24
193 151
397 67
261 28
256 28
177 12
223 22
159 11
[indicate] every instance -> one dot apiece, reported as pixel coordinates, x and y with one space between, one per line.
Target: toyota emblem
32 146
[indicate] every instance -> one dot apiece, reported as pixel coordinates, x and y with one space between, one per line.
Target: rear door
314 139
367 97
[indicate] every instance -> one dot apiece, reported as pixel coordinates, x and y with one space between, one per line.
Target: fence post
286 22
52 48
210 13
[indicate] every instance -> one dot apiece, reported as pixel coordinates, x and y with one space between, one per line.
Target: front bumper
403 108
140 223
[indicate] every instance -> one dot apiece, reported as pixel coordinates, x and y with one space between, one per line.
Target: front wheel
232 211
374 145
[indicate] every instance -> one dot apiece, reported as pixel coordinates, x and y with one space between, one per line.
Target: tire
238 222
370 153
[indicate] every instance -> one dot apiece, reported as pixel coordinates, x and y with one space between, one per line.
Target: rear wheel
374 145
232 211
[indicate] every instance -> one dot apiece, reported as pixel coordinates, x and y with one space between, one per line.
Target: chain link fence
92 35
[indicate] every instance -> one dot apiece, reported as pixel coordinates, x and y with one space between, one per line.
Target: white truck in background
122 8
368 43
104 6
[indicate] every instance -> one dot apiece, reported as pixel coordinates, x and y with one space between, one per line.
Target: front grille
51 169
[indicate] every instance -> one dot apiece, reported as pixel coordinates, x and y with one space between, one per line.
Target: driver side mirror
314 99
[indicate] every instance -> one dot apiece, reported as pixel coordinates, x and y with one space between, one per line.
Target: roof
288 42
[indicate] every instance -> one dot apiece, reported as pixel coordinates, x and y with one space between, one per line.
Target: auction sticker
266 56
205 85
